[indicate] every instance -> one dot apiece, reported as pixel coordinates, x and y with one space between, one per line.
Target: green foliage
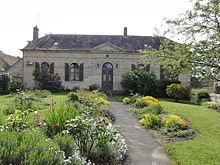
198 30
126 100
28 148
18 121
94 87
150 121
73 96
176 91
199 95
96 139
41 93
57 116
46 80
162 86
139 81
15 85
66 144
4 84
206 122
210 104
174 123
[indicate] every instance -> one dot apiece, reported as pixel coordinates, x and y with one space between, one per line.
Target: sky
109 17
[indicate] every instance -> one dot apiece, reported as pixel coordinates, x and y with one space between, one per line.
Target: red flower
55 125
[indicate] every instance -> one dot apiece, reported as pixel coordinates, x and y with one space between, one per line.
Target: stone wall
92 60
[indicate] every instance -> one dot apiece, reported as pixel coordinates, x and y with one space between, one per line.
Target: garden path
142 148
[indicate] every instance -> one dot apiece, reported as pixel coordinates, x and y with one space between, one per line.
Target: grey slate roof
87 42
8 58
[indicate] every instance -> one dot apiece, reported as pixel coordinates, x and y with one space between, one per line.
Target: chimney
125 31
35 33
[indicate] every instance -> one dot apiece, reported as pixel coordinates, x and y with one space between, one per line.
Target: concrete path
142 148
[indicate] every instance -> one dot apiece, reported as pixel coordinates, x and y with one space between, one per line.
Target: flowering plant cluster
100 100
126 100
77 131
152 115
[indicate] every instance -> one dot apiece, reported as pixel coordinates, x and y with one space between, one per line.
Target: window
140 66
45 67
73 72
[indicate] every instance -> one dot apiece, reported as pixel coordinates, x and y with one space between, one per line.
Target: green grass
205 148
54 98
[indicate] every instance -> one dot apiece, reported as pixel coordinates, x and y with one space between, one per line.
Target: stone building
83 60
7 61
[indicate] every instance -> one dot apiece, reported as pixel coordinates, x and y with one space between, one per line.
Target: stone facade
91 54
93 62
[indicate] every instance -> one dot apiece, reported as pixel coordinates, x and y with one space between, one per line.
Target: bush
66 144
150 121
174 123
139 81
57 117
176 91
73 96
42 93
28 148
146 101
4 84
162 86
210 104
199 95
97 140
93 87
126 100
15 85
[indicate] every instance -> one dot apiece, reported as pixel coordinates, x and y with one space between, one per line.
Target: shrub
146 101
93 87
4 84
139 81
126 100
150 121
199 95
176 91
15 85
28 148
42 93
48 80
100 100
57 117
73 96
162 86
66 144
210 104
174 123
96 140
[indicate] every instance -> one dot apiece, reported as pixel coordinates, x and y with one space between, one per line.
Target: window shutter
81 70
162 76
67 70
37 66
133 67
147 68
52 68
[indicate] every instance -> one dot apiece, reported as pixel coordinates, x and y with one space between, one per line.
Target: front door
107 76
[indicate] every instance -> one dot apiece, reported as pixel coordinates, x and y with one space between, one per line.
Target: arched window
74 72
45 67
140 66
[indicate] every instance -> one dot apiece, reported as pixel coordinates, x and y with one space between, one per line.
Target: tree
46 80
198 29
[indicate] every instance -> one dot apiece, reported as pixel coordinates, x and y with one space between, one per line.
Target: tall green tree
198 49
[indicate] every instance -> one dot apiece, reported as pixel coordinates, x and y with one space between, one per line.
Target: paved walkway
142 148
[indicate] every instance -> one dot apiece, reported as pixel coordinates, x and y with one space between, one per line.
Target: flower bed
152 115
77 131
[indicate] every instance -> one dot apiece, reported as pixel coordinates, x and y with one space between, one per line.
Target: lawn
205 148
54 98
